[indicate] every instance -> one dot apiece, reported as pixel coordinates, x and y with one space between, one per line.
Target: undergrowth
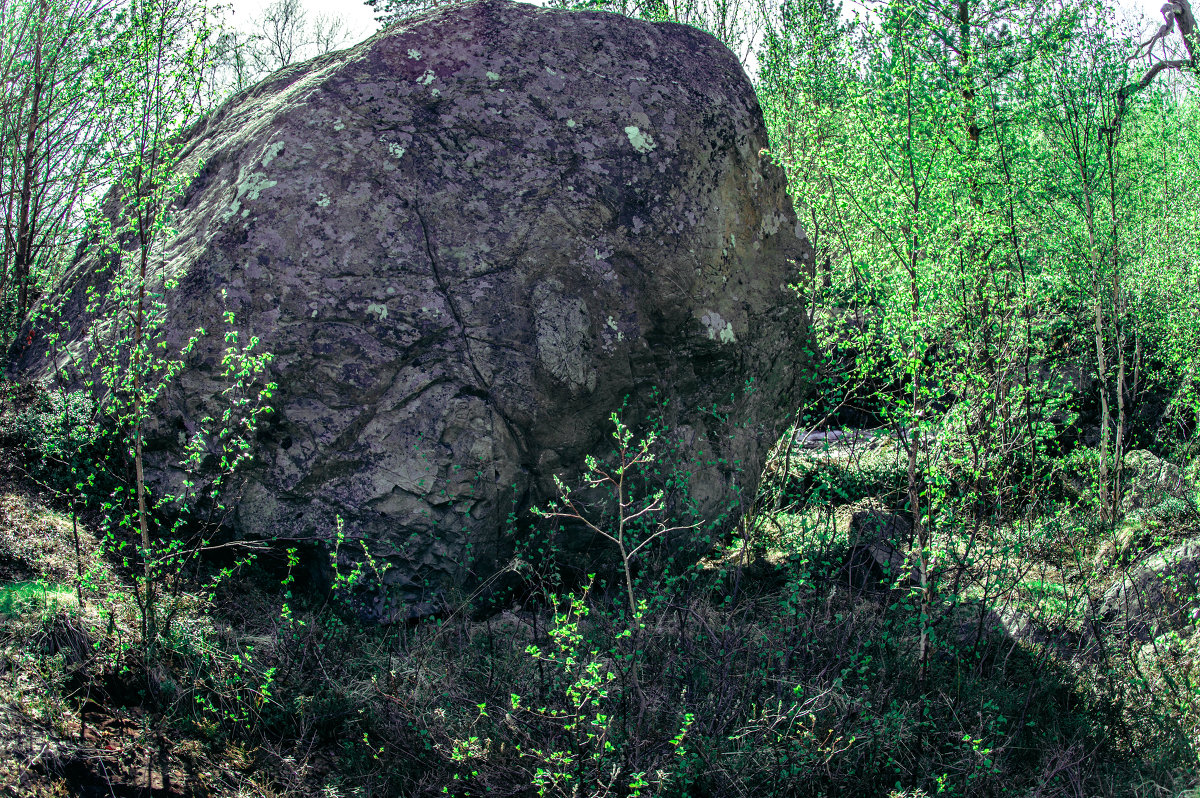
768 668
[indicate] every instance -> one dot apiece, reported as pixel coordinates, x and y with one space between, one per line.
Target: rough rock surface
1159 593
879 541
467 241
1151 480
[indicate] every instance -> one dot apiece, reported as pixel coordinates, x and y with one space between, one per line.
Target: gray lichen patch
254 185
272 153
642 142
248 188
614 327
772 222
718 328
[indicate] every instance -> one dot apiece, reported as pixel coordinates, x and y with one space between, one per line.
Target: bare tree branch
1175 11
329 33
1169 12
283 23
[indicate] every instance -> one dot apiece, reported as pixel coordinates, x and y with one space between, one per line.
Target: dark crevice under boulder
467 241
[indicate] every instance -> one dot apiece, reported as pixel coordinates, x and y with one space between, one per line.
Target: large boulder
467 241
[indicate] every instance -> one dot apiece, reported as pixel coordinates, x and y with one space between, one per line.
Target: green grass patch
1048 597
22 598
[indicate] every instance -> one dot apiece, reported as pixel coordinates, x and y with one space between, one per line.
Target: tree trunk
26 229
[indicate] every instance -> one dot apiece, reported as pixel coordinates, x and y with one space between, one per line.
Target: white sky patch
360 21
1146 8
359 17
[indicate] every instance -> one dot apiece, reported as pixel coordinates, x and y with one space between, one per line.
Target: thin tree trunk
1119 440
920 532
1103 484
149 631
1105 426
25 231
1119 321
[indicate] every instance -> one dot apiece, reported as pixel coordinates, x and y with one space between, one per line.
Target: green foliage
587 761
54 425
987 287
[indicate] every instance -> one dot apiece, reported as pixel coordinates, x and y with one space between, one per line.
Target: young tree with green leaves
161 46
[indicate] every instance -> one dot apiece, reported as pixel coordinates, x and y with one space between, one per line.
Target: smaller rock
1114 548
1011 626
1157 594
838 444
1015 625
876 537
1151 480
871 521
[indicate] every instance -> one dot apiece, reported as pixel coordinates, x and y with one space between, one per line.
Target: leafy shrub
53 426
